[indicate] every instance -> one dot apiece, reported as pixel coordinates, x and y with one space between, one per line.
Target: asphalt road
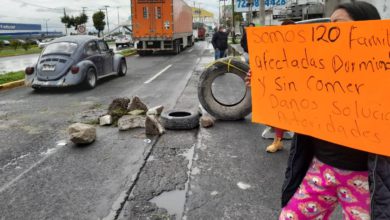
221 172
45 177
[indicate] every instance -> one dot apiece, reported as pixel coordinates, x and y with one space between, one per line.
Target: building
24 31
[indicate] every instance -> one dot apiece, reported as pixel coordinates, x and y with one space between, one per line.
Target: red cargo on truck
161 25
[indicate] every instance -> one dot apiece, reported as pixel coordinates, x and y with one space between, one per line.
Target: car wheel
206 97
122 69
90 78
179 120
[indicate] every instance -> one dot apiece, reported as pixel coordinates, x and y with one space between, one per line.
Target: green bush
1 45
26 46
14 44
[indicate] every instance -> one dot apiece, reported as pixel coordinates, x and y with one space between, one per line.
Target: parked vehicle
74 60
161 25
124 40
6 42
44 43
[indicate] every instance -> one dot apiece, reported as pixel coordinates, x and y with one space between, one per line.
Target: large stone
136 112
137 104
82 133
118 108
206 121
128 122
153 126
105 120
155 110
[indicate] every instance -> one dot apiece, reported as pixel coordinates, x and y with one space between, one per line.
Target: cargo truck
161 25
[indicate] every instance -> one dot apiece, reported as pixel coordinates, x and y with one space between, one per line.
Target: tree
26 46
15 44
1 45
98 21
71 21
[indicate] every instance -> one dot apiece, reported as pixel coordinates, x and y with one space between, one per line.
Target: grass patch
11 77
7 51
128 52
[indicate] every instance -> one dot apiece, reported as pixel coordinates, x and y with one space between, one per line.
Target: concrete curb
11 85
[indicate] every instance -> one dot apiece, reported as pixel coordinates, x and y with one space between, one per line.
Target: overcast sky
38 11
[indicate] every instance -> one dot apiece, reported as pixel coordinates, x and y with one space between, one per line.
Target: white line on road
190 50
47 155
159 73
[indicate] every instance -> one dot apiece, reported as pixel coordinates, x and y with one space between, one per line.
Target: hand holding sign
330 81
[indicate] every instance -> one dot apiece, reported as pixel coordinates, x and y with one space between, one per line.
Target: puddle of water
172 201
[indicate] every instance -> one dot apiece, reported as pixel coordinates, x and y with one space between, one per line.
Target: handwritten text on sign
330 81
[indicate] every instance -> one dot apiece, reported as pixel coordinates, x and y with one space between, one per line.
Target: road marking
47 155
159 73
190 50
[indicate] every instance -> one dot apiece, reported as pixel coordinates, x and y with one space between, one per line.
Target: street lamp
47 31
108 25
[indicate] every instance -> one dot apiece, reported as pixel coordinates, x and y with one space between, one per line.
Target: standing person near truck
220 42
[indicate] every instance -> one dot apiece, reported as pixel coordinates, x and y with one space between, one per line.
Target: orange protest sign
330 81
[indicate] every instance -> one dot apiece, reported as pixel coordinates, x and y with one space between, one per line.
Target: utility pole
83 9
233 24
117 8
66 29
262 12
47 30
219 13
108 25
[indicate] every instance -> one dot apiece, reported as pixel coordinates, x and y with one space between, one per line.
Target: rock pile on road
128 114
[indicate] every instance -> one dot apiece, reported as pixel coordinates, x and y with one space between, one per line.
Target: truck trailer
161 25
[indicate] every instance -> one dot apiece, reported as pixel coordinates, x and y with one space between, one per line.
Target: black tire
176 47
179 120
122 68
206 98
90 80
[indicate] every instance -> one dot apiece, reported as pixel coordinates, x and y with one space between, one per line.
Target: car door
107 56
92 53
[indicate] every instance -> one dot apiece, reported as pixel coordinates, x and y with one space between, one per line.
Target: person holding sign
321 174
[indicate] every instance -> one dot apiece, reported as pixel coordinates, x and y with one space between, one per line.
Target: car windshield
60 47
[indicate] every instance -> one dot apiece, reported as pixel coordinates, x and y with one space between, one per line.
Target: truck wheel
210 103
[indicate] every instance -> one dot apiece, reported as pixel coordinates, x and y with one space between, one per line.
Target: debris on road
155 110
179 120
136 112
118 108
137 104
128 122
206 121
153 126
82 133
105 120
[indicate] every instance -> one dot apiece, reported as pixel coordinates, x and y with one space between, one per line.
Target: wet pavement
17 63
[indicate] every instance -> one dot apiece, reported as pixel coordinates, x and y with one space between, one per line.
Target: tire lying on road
179 120
206 98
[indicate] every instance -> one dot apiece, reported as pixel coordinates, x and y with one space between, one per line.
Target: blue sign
243 5
20 27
